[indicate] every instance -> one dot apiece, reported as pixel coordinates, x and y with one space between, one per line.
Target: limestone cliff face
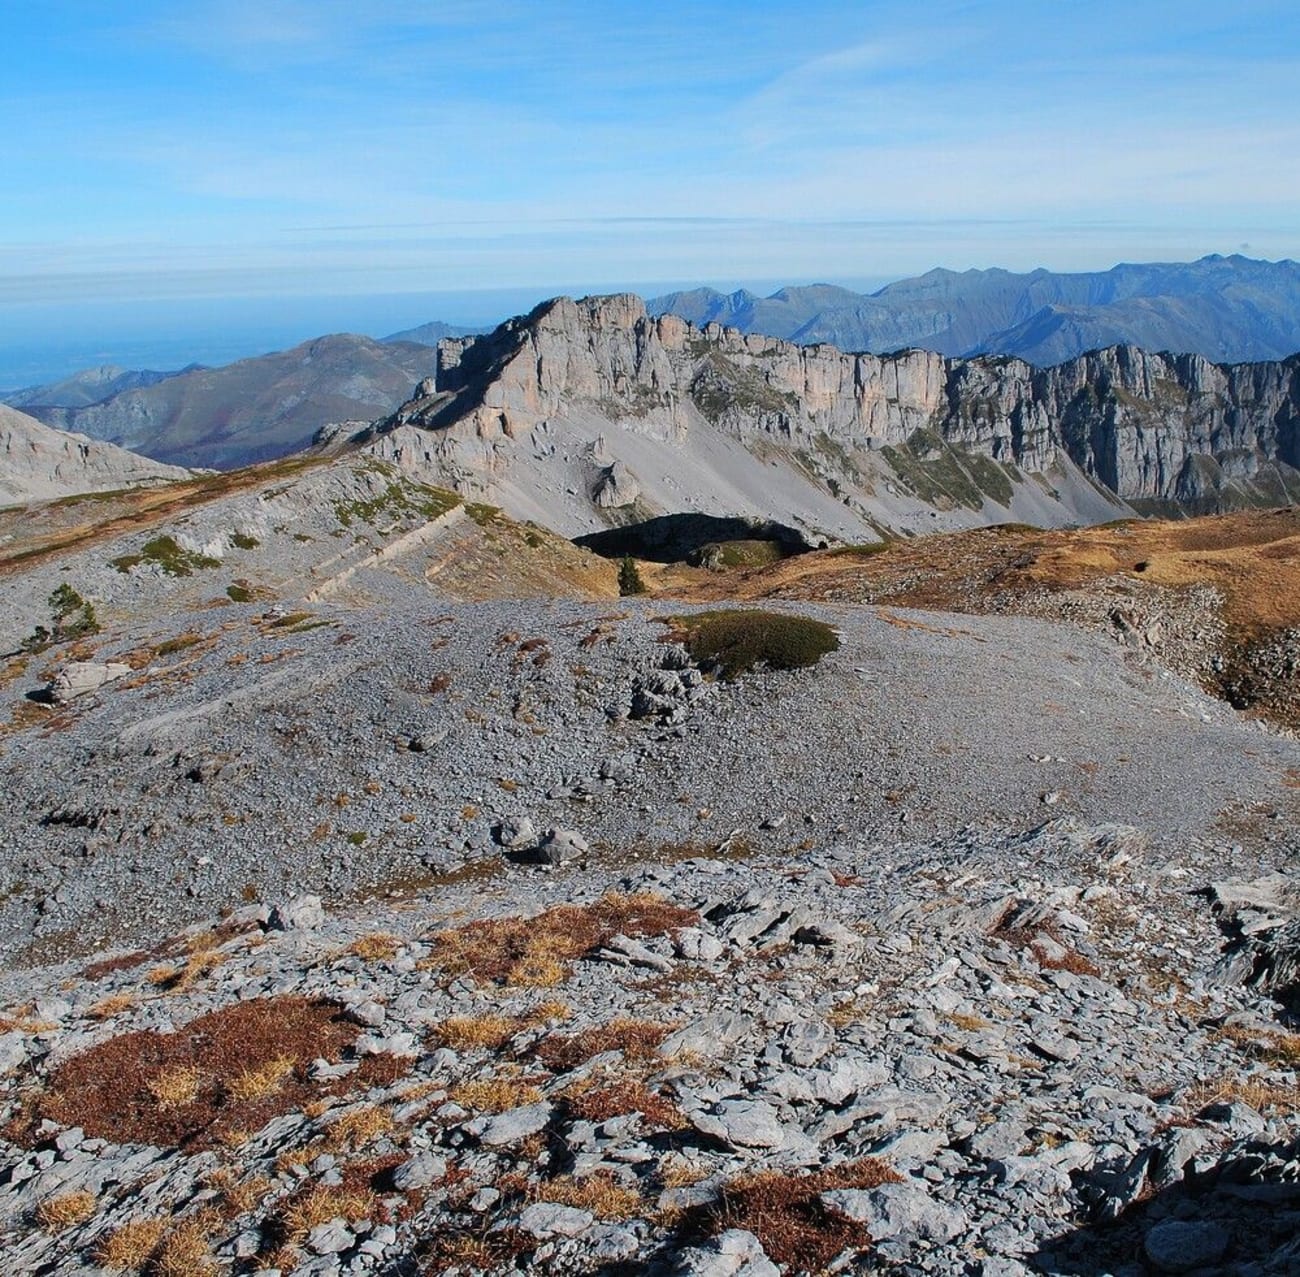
1177 428
38 463
1151 428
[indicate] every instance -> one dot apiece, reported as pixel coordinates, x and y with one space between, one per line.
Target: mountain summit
1232 309
590 414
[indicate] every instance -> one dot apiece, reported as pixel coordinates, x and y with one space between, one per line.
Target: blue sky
157 152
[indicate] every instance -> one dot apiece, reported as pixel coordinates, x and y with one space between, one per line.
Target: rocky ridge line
1152 428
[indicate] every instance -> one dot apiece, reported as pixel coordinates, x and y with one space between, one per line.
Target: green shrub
73 617
242 541
239 593
166 554
629 577
482 513
735 641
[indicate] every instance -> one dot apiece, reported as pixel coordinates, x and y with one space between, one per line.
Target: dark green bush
74 618
165 553
629 577
735 641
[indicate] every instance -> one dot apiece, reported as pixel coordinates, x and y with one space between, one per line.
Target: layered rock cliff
574 387
38 463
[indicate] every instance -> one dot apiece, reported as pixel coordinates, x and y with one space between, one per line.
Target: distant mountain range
91 386
255 409
1229 309
248 411
433 332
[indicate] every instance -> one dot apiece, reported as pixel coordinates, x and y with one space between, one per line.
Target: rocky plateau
382 891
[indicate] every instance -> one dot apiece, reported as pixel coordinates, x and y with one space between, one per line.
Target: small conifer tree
629 577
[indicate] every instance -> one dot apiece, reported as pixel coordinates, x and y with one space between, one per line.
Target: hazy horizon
43 342
168 156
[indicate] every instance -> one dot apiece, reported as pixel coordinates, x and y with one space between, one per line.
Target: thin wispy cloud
296 144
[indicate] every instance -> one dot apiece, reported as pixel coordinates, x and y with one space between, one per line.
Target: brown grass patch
540 951
495 1094
483 1032
786 1214
55 1214
378 947
1029 939
175 1089
110 966
601 1194
627 1095
637 1039
131 1245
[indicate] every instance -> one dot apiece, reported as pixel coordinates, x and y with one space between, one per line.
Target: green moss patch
402 498
166 554
734 641
945 475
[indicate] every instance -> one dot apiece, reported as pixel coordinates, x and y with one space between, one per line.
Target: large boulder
79 678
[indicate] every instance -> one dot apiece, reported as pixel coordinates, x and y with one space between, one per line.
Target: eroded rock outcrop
38 463
945 434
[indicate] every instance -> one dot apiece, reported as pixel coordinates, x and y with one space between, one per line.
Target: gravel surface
982 1054
275 752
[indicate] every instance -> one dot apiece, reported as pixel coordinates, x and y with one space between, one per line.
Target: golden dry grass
358 1129
1274 1046
551 1011
321 1204
55 1214
107 1008
176 979
601 1194
676 1171
22 1020
970 1023
186 1250
261 1080
540 951
471 1032
175 1087
495 1095
377 947
130 1246
246 1196
1258 1093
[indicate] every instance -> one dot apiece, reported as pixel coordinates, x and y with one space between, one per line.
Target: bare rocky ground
913 961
